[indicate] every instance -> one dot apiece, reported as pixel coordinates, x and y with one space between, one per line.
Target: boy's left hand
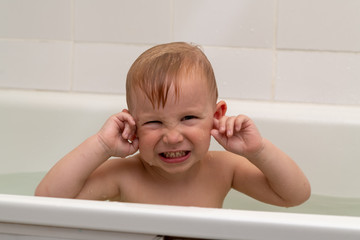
238 134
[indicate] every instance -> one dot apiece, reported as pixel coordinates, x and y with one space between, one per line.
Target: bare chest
202 194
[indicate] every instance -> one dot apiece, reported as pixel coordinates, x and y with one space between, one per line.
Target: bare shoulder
108 181
224 166
227 158
236 165
227 162
120 166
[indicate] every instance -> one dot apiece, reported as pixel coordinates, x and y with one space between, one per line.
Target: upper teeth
174 154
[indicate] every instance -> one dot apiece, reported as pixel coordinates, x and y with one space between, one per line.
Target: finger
239 122
124 117
222 124
230 126
125 133
129 117
134 146
216 123
129 131
132 133
243 122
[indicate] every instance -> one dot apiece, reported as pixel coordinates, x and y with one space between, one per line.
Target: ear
220 110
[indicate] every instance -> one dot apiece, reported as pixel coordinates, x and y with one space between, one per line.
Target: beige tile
318 77
242 73
103 67
246 23
35 65
136 21
319 25
35 19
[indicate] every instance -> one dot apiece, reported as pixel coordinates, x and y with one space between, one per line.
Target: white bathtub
38 128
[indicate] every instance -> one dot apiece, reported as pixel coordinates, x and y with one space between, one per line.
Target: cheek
206 129
146 149
201 135
147 139
145 142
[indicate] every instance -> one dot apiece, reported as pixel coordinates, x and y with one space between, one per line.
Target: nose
172 136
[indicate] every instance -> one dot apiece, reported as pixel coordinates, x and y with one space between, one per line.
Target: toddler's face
174 138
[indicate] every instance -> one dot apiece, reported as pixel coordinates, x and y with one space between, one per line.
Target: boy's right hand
118 135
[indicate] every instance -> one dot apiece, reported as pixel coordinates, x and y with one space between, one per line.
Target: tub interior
38 128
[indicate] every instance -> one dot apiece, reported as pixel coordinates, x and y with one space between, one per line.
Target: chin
176 168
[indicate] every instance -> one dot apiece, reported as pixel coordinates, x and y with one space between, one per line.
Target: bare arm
270 175
281 183
69 176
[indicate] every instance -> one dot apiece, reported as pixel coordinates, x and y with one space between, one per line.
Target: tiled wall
272 50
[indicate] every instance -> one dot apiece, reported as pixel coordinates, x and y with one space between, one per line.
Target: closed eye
189 117
152 122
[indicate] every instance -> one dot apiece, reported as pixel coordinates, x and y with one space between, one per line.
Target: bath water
20 183
25 184
317 204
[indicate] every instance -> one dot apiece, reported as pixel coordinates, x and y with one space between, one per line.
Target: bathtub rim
193 221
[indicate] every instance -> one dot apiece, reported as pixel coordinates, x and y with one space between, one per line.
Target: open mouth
175 156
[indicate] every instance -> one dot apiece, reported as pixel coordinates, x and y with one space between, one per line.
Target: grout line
172 31
275 62
72 20
72 7
203 45
318 51
36 40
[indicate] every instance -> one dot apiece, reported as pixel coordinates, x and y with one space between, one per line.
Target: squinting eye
188 117
152 122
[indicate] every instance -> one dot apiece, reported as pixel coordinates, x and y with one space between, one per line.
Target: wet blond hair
162 66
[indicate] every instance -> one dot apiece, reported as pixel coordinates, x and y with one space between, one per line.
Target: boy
172 114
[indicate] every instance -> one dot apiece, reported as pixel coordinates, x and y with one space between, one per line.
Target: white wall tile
246 23
40 19
35 65
319 24
224 27
136 21
103 67
318 77
242 73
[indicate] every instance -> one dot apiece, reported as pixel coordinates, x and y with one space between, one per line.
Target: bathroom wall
270 50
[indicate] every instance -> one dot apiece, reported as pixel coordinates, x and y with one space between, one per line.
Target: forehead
192 90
